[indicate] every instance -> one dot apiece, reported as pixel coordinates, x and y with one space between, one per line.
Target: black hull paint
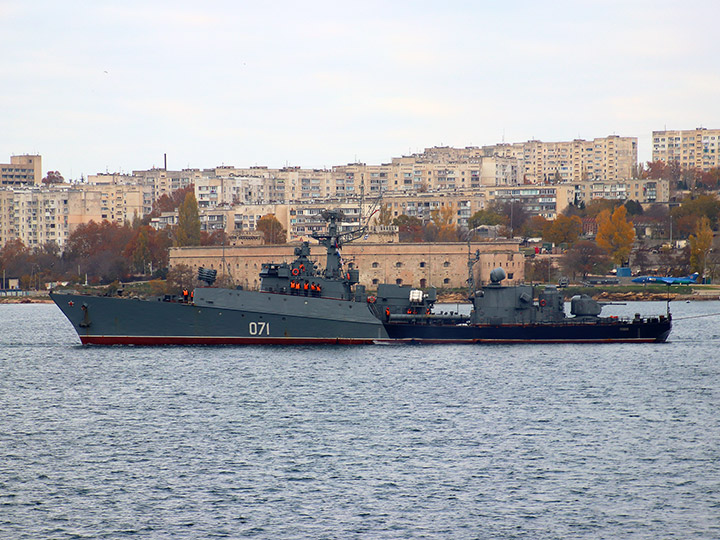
604 331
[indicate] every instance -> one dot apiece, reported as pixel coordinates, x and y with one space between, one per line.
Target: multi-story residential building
608 158
643 191
38 215
691 149
22 170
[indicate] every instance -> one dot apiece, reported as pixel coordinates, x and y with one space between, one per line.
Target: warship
300 303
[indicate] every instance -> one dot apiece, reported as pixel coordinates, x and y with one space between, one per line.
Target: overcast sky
102 86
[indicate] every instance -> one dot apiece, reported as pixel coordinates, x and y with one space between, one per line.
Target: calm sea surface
551 441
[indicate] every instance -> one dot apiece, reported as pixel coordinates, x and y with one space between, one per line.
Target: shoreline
459 298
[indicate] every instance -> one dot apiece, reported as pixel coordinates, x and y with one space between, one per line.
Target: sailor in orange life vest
387 313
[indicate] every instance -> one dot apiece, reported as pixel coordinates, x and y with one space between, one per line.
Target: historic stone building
442 265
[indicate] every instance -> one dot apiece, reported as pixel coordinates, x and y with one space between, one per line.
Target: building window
375 281
398 264
375 264
422 264
446 264
446 281
398 281
423 283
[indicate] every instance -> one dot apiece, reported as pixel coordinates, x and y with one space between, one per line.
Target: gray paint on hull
220 313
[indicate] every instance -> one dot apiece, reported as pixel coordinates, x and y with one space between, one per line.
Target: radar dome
497 275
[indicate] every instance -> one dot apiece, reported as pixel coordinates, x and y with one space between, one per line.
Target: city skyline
114 89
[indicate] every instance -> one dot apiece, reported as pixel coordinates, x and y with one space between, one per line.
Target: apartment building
607 158
22 170
641 190
691 149
36 216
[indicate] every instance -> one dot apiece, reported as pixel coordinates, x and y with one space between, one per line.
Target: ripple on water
378 442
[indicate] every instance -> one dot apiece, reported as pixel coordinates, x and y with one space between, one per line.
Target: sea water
455 441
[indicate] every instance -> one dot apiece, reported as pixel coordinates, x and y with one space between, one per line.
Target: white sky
97 86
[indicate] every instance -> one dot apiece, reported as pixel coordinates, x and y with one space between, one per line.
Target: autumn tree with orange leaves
615 234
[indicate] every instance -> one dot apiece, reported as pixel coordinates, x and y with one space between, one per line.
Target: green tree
634 208
187 232
141 254
700 245
615 234
272 229
487 216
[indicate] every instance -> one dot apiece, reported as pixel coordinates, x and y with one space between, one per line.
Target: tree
585 257
487 216
384 217
98 249
272 229
563 230
634 208
694 208
535 226
700 245
180 277
615 234
595 207
53 177
138 250
410 228
444 219
187 232
538 270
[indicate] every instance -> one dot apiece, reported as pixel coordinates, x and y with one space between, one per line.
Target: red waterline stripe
187 340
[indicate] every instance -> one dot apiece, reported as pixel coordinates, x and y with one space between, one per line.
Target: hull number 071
259 328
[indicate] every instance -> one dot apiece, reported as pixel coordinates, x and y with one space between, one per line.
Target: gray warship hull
220 317
229 317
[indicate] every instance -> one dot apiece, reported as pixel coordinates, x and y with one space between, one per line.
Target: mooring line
695 316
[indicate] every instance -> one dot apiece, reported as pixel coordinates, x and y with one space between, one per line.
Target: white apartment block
691 149
22 170
607 158
36 216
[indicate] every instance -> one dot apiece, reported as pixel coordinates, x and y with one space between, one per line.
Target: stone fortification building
442 265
